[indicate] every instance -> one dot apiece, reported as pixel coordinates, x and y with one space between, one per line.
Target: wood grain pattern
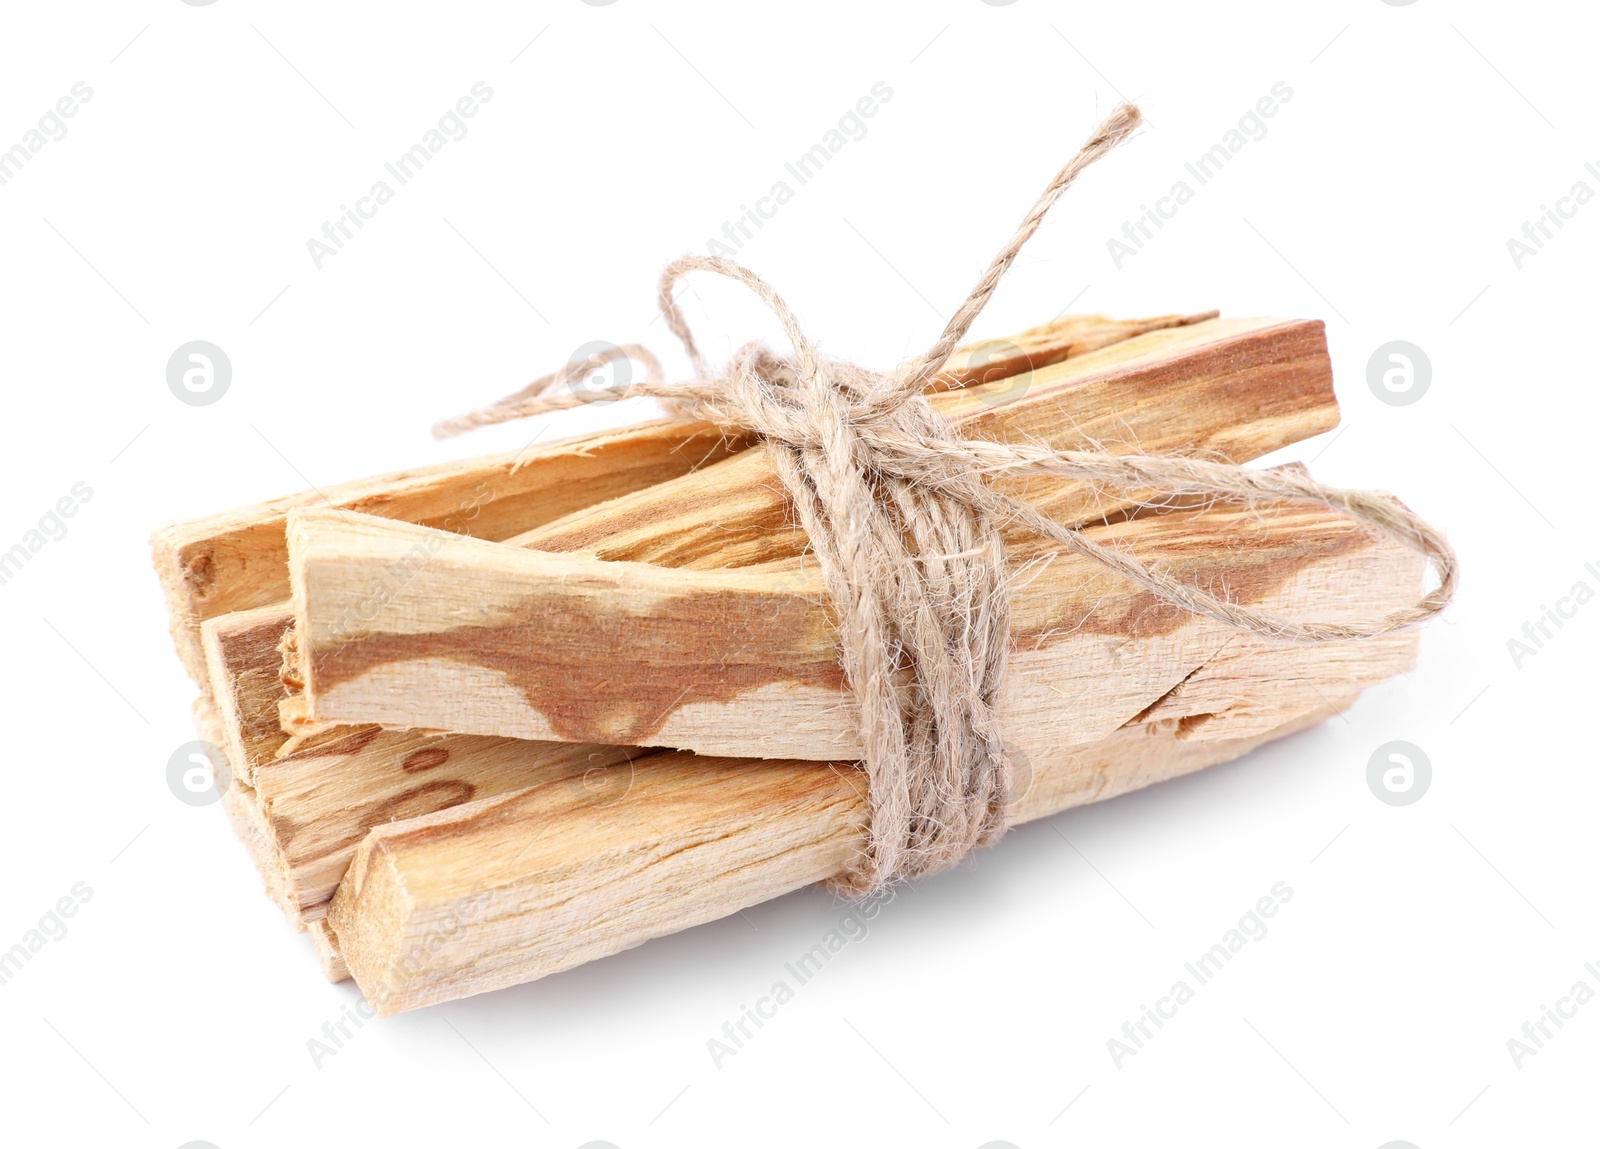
303 805
495 893
399 625
1231 389
236 560
1236 388
317 804
237 652
311 797
243 673
482 860
1050 343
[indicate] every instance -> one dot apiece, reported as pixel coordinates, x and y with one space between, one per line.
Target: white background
219 139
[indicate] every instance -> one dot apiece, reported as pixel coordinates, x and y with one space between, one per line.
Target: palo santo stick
317 803
239 651
236 560
1050 343
240 647
243 664
489 639
317 794
1232 389
504 891
1236 388
303 805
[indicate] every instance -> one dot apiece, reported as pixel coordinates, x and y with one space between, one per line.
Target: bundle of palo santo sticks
493 719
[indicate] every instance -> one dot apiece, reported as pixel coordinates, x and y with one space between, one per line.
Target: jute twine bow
905 525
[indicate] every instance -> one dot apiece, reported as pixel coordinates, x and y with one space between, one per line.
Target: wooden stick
499 892
240 654
1235 388
236 560
1232 389
493 893
319 799
403 626
244 673
309 799
317 803
1048 344
304 804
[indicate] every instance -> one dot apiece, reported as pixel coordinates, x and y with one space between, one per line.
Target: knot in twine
905 524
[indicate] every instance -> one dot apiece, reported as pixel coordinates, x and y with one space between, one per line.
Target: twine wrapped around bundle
905 523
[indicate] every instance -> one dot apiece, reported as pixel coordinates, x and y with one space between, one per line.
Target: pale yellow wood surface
499 892
1232 389
493 893
483 638
235 560
316 804
303 805
1260 385
318 801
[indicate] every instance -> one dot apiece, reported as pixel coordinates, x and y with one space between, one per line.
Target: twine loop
905 523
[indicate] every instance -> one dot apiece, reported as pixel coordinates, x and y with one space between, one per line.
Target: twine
900 511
